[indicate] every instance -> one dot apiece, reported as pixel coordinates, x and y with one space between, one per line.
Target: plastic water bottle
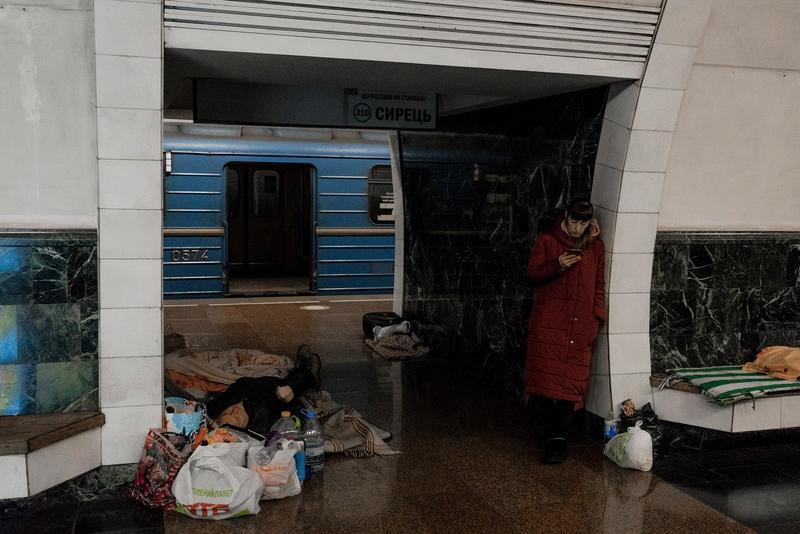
286 427
610 426
314 439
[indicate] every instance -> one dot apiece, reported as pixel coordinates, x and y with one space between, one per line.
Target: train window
266 193
381 195
232 184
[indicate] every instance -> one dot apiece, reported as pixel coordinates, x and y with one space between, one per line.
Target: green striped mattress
728 384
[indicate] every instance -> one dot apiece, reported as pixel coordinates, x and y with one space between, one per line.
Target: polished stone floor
469 460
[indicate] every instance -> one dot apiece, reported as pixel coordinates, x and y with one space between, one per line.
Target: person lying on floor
256 403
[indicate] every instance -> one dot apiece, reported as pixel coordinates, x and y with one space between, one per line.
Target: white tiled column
129 58
629 173
399 225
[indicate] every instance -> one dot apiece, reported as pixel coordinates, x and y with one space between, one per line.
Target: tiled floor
469 461
756 485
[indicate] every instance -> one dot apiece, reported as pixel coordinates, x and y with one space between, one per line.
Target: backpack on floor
163 455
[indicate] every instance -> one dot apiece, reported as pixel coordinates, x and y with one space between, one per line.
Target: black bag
373 319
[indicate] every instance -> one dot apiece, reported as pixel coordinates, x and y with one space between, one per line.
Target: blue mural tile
8 335
17 389
66 386
49 332
16 283
48 322
49 273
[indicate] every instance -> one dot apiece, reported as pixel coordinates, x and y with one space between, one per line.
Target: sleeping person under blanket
256 403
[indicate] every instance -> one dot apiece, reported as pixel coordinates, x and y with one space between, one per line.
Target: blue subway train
276 211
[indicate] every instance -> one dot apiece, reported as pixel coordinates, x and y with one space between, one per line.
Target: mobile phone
575 251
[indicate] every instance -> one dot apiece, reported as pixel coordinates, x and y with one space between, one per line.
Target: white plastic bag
279 475
632 449
207 488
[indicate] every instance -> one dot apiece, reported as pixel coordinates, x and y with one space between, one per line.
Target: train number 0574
189 254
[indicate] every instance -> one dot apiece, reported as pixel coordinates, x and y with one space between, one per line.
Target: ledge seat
683 403
38 452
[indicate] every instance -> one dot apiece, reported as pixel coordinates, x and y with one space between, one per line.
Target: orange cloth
778 362
234 415
187 382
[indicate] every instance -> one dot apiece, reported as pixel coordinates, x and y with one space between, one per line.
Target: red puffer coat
567 311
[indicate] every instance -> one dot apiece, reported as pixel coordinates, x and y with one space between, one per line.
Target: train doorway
269 221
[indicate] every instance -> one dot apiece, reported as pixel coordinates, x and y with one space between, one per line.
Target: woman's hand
567 260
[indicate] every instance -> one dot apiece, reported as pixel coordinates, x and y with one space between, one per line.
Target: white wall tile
613 145
128 134
127 28
598 396
640 192
130 184
683 22
668 66
14 482
648 151
605 187
608 266
790 411
131 381
752 33
635 232
764 414
630 273
658 109
629 313
47 466
125 431
621 103
634 386
128 82
629 353
126 332
607 220
130 283
600 356
692 409
735 124
126 234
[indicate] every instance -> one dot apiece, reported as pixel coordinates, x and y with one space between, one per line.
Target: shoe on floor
311 361
555 450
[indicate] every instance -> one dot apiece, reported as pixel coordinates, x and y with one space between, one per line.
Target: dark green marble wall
718 298
48 322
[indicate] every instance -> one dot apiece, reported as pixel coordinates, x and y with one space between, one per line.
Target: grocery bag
276 468
632 449
163 455
207 488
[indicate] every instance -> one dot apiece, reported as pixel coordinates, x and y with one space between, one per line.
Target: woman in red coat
566 268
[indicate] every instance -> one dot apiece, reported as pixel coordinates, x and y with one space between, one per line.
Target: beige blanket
228 366
778 362
345 429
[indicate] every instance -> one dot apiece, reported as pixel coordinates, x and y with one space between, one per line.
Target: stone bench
683 403
38 452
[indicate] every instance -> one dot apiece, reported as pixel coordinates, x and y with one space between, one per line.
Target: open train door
269 229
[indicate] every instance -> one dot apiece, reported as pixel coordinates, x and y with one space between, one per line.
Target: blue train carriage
269 211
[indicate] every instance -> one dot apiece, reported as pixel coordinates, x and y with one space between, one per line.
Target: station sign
379 109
